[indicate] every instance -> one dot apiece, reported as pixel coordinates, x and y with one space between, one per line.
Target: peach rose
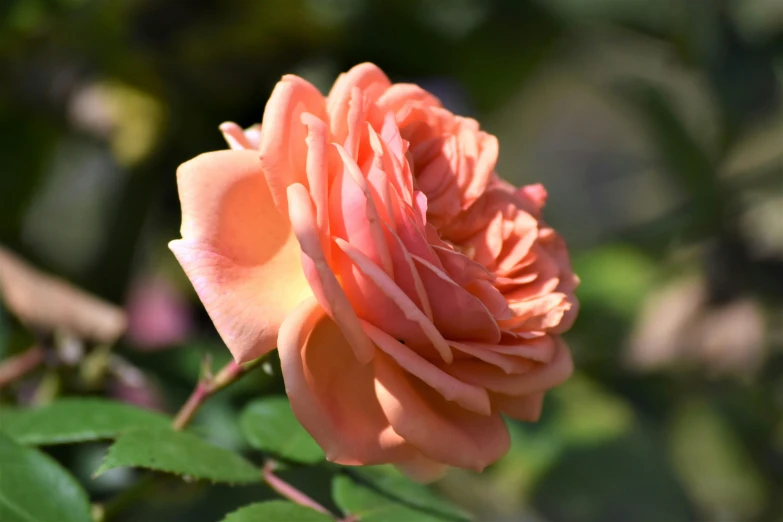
313 236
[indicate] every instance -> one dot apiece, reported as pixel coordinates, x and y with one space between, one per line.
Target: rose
320 243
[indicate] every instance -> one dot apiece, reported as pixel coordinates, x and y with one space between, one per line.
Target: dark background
657 128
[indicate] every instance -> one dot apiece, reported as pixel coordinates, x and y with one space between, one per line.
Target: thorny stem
16 367
207 386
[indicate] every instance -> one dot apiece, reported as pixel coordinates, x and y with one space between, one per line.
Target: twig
288 491
207 386
16 367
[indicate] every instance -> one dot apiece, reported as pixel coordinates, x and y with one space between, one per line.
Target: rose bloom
412 295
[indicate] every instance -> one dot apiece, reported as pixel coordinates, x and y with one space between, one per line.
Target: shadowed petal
540 377
389 288
441 430
332 394
467 395
421 469
524 408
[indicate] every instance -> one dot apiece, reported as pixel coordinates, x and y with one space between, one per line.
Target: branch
208 385
288 491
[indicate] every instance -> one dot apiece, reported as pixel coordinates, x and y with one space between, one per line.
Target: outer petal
332 394
524 408
238 250
421 469
441 430
283 148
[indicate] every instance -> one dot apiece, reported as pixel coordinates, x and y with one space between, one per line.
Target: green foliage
369 506
276 511
393 484
76 420
615 277
582 484
270 426
35 488
178 453
719 474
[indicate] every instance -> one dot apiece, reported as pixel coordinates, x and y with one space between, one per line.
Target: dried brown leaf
51 304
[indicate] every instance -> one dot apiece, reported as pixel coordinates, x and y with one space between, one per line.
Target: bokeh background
657 128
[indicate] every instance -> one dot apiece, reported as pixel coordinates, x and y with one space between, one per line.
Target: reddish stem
18 366
288 491
208 386
191 406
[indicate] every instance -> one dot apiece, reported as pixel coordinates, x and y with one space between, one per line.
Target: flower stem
288 491
207 386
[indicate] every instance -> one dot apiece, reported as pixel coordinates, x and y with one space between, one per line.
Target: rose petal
354 209
524 408
390 289
441 430
238 250
457 313
235 136
468 396
317 167
283 147
332 394
508 363
401 94
540 378
367 77
319 274
491 298
421 469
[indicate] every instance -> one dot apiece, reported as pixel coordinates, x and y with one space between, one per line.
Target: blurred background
657 128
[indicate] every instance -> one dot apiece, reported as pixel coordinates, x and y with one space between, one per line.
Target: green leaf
35 488
270 425
76 420
715 467
276 511
368 506
178 453
395 485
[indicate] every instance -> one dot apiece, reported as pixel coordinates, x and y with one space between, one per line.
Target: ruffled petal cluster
409 291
